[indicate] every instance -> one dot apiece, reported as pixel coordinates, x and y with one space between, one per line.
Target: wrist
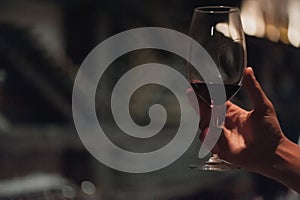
284 166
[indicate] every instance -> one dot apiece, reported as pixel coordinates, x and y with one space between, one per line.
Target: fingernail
250 71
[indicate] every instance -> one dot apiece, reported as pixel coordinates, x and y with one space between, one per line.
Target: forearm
286 165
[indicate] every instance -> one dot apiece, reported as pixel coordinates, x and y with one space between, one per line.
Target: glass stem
217 123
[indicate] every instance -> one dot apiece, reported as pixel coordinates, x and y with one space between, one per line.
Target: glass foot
215 164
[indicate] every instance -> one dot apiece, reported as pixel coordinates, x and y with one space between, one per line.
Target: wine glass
218 29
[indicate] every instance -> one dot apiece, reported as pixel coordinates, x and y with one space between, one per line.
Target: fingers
231 106
258 97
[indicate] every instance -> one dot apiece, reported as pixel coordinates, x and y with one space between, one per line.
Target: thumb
258 97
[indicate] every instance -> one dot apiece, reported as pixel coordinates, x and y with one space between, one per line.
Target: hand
254 140
250 138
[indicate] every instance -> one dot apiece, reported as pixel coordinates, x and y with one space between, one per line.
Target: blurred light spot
294 37
223 28
234 34
294 25
68 192
88 187
272 19
284 35
252 18
273 33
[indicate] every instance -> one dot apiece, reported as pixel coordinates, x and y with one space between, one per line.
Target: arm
287 167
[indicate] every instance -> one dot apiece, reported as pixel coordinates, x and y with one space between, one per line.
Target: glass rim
216 9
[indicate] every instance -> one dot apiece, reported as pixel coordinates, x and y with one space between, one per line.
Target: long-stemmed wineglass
219 31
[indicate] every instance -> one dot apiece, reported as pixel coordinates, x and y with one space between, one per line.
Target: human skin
254 139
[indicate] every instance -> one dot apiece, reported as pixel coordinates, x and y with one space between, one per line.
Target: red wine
201 89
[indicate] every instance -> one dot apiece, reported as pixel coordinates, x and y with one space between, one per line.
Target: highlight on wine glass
219 30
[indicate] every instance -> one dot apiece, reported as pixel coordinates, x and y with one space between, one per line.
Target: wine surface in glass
202 90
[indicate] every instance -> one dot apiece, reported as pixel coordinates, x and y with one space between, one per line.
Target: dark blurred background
43 43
